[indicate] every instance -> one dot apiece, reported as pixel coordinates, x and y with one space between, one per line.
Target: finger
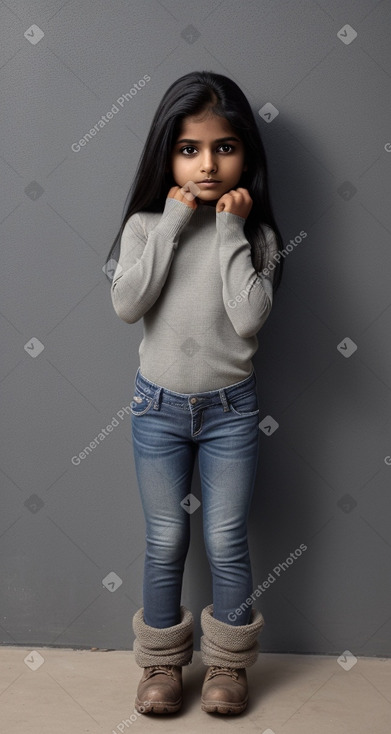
235 195
225 197
243 193
172 192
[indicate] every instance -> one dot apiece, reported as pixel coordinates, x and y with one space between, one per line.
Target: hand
237 201
176 192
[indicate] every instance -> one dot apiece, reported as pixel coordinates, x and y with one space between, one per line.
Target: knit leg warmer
165 645
229 645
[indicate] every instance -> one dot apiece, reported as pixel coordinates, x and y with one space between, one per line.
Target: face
208 147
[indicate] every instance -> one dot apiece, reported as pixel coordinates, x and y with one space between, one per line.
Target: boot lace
156 669
216 670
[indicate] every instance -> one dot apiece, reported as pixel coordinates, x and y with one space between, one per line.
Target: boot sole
222 707
158 707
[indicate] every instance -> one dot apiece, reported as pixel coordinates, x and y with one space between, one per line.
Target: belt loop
158 399
224 400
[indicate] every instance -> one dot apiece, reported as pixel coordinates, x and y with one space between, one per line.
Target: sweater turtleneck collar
205 208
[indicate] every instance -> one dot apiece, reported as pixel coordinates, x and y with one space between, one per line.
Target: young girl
197 246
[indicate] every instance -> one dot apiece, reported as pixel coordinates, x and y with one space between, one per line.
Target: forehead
205 128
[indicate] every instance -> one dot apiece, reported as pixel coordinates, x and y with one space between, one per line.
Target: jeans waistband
223 394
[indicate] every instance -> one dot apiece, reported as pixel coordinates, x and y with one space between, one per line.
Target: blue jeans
168 430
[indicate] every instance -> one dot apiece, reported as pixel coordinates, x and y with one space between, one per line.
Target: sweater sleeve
145 260
247 295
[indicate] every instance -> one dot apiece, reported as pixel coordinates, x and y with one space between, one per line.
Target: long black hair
189 95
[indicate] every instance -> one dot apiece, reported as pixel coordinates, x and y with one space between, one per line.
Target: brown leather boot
160 690
224 690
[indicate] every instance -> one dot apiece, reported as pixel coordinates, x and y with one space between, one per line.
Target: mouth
208 182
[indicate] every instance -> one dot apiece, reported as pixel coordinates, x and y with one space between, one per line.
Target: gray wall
324 476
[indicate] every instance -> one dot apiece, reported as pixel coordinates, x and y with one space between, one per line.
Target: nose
208 163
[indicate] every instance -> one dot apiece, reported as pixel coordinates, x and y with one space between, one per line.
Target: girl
196 261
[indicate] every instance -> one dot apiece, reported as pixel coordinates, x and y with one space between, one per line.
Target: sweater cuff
176 214
230 224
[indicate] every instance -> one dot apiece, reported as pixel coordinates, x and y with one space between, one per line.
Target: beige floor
65 691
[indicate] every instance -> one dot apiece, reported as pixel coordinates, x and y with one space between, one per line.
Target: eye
187 148
227 145
231 149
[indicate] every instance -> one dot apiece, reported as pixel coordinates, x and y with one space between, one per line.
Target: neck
208 203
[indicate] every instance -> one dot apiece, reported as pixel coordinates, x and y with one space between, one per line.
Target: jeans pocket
244 405
140 403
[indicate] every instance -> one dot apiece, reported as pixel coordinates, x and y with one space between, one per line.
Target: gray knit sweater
188 273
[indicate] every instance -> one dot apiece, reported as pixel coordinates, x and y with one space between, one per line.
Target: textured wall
72 531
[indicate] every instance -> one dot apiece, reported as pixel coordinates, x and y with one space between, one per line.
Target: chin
208 196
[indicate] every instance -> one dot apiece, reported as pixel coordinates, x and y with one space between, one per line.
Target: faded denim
169 430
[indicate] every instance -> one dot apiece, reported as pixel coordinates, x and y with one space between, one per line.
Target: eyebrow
218 140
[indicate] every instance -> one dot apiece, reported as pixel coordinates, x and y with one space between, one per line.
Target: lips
209 180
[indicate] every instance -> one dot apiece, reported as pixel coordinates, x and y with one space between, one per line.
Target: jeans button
193 400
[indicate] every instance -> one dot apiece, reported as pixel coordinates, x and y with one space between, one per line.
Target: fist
236 201
183 194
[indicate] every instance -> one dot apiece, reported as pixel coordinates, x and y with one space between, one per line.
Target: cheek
235 166
236 171
179 165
